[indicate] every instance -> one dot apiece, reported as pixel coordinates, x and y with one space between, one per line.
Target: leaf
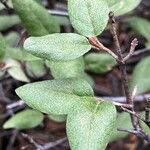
19 54
61 69
58 118
90 128
35 18
88 17
111 2
2 46
14 69
99 63
141 26
140 76
65 46
124 6
39 1
55 96
36 68
12 39
89 124
24 120
124 122
7 22
62 20
67 69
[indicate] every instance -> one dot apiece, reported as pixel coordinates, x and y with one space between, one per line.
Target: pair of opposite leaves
89 123
88 17
88 22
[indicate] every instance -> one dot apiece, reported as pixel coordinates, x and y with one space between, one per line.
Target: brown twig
133 113
137 133
147 111
12 139
134 43
30 139
99 46
45 146
54 144
122 67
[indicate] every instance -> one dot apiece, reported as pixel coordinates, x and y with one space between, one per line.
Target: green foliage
35 68
24 120
88 17
62 20
111 2
66 69
89 124
15 70
141 26
19 54
124 6
59 95
65 46
141 76
8 21
58 118
35 18
12 39
99 63
2 46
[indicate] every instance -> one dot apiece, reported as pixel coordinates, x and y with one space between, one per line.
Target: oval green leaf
36 69
67 69
15 70
88 17
90 128
12 39
99 63
141 76
24 120
55 96
141 26
35 18
2 46
65 46
124 6
7 22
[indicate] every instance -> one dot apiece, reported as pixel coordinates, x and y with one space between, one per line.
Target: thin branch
147 111
137 133
133 113
30 139
45 146
121 65
12 139
134 43
54 144
99 46
122 99
122 68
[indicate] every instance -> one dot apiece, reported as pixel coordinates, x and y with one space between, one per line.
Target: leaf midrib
91 123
